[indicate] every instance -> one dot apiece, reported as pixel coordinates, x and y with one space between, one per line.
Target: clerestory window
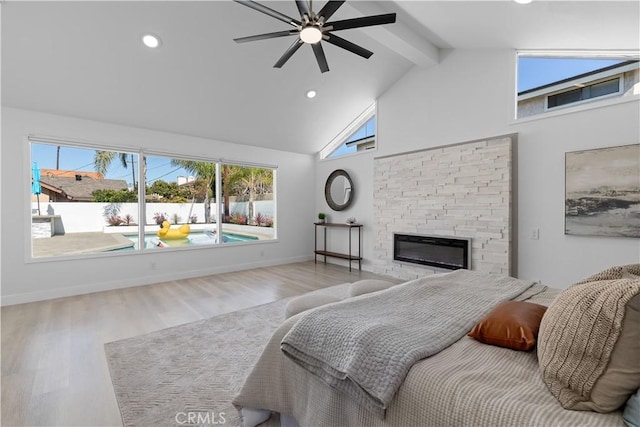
548 81
358 137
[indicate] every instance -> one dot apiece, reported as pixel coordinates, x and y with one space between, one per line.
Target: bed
469 383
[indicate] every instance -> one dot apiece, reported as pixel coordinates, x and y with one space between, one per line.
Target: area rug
188 374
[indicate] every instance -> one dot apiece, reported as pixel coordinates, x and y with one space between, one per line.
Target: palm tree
102 160
206 172
230 175
253 180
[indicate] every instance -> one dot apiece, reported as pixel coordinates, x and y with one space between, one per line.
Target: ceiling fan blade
322 60
268 11
345 44
303 7
365 21
329 9
266 36
292 49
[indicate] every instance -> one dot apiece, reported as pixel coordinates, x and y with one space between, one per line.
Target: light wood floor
54 370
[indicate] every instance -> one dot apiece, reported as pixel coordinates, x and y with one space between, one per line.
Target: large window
248 211
180 203
87 200
81 193
549 82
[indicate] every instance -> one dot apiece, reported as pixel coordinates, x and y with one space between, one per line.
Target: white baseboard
14 299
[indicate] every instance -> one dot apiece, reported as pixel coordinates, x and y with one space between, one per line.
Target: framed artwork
602 192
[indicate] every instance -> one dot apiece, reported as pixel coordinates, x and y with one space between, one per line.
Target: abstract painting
602 192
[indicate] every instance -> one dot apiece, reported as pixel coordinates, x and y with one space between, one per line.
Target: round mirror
338 191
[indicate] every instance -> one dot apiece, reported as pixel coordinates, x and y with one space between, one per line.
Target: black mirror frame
327 190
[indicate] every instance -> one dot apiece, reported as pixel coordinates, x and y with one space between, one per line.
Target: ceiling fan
312 28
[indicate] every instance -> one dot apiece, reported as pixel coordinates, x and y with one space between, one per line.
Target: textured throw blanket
365 346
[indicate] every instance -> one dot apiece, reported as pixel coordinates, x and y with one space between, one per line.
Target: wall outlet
534 233
153 265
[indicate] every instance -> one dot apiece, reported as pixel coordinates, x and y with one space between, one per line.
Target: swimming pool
197 238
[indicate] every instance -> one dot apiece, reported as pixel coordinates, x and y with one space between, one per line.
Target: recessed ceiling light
311 94
523 1
151 41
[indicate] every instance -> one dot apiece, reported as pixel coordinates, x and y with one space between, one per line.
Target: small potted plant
322 217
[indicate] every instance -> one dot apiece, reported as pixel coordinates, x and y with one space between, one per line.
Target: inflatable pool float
157 242
166 232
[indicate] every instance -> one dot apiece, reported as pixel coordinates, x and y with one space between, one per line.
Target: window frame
142 205
588 104
220 195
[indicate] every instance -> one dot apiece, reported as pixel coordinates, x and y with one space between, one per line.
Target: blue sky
533 72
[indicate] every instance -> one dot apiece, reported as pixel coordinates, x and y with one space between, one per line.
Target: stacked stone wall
463 190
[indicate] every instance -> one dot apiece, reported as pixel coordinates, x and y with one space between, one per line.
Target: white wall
24 280
469 96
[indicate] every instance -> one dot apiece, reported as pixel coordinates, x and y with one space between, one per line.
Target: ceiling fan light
311 34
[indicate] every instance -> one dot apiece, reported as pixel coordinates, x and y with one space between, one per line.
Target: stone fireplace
462 191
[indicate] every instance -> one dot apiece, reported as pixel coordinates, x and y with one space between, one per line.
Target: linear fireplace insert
436 251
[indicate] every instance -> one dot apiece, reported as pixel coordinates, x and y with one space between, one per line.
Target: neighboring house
617 80
75 186
362 144
70 174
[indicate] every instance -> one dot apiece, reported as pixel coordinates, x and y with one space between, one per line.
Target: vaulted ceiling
85 59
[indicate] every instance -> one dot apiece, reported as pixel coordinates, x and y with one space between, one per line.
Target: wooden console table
350 256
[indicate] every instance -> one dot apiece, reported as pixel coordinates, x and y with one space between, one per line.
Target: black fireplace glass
444 252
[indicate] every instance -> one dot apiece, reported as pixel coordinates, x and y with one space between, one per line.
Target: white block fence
76 217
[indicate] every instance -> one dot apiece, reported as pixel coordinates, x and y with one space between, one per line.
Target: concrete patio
79 243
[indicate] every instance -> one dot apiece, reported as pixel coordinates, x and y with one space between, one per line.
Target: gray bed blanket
366 345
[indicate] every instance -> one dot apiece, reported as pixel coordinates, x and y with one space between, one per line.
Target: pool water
193 239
